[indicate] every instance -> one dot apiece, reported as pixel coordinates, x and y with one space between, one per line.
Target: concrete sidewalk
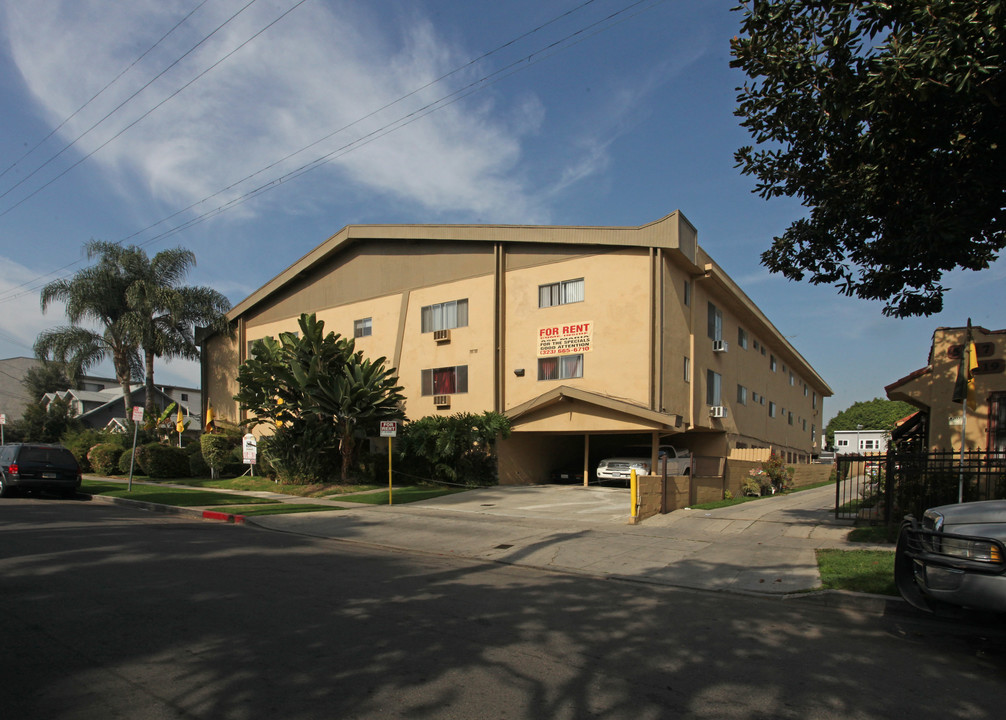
764 547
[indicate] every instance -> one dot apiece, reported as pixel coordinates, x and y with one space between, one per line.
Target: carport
571 429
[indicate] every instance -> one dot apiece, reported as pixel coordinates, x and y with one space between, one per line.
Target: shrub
137 465
80 442
301 452
459 449
216 450
164 461
197 466
104 458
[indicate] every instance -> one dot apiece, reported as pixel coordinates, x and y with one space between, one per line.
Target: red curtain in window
444 381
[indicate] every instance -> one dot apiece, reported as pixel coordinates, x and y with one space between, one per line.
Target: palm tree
162 313
141 305
96 294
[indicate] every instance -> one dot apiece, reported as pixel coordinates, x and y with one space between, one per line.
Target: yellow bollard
633 493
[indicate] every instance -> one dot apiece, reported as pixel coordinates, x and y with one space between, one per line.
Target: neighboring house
588 338
13 397
103 408
860 442
939 423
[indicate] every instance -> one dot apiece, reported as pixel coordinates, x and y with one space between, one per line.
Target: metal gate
860 487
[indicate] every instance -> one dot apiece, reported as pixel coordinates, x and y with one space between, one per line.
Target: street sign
138 413
3 418
249 449
389 428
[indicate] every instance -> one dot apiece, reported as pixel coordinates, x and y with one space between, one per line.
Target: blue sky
611 112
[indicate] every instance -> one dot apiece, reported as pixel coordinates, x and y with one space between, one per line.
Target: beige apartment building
588 338
940 423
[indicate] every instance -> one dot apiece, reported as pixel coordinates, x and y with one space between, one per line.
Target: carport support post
586 459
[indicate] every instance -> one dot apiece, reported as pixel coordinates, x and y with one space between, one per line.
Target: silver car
954 557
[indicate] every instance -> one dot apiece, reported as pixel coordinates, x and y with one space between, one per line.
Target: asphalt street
113 612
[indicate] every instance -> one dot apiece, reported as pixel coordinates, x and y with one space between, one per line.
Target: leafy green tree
46 378
886 120
97 295
876 414
48 425
322 375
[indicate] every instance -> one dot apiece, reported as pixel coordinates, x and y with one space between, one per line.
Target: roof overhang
566 409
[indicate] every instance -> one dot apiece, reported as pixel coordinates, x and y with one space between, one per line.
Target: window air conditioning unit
442 401
717 411
442 336
720 346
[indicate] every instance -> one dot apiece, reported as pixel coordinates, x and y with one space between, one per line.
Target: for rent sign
565 339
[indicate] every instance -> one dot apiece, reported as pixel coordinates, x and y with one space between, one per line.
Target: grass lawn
179 497
868 571
746 498
274 509
264 484
400 495
876 534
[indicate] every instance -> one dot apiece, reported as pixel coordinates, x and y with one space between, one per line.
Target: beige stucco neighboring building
941 421
588 338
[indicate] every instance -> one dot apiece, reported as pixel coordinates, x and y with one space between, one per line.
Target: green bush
164 461
137 465
216 449
302 451
459 449
197 466
103 458
79 442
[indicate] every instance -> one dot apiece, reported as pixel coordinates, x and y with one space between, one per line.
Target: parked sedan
955 557
25 466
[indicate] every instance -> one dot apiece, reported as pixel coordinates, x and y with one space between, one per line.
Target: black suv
26 466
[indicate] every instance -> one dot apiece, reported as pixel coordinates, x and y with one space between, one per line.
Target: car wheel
5 489
904 579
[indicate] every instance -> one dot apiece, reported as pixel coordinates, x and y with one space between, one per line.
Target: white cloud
22 319
321 68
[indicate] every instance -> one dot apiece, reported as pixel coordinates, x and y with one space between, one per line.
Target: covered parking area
568 431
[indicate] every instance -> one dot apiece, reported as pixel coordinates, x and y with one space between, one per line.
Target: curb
168 509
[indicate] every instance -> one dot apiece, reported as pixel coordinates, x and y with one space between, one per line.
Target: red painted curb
226 517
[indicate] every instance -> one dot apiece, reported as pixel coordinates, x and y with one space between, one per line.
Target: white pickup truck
679 462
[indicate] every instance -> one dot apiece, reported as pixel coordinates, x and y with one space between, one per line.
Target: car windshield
59 457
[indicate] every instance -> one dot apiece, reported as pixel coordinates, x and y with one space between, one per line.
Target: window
742 338
754 398
445 380
813 433
771 409
742 395
843 443
185 397
771 362
792 380
715 328
362 328
713 385
560 368
688 292
560 293
789 418
813 401
997 422
445 316
688 370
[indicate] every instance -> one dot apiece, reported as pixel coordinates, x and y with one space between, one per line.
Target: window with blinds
560 293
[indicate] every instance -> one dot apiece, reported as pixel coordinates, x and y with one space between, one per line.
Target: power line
100 92
119 106
512 68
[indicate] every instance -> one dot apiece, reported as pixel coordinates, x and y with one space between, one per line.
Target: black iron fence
886 487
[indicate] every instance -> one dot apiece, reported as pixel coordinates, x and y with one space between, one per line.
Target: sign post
249 451
137 419
3 421
389 429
